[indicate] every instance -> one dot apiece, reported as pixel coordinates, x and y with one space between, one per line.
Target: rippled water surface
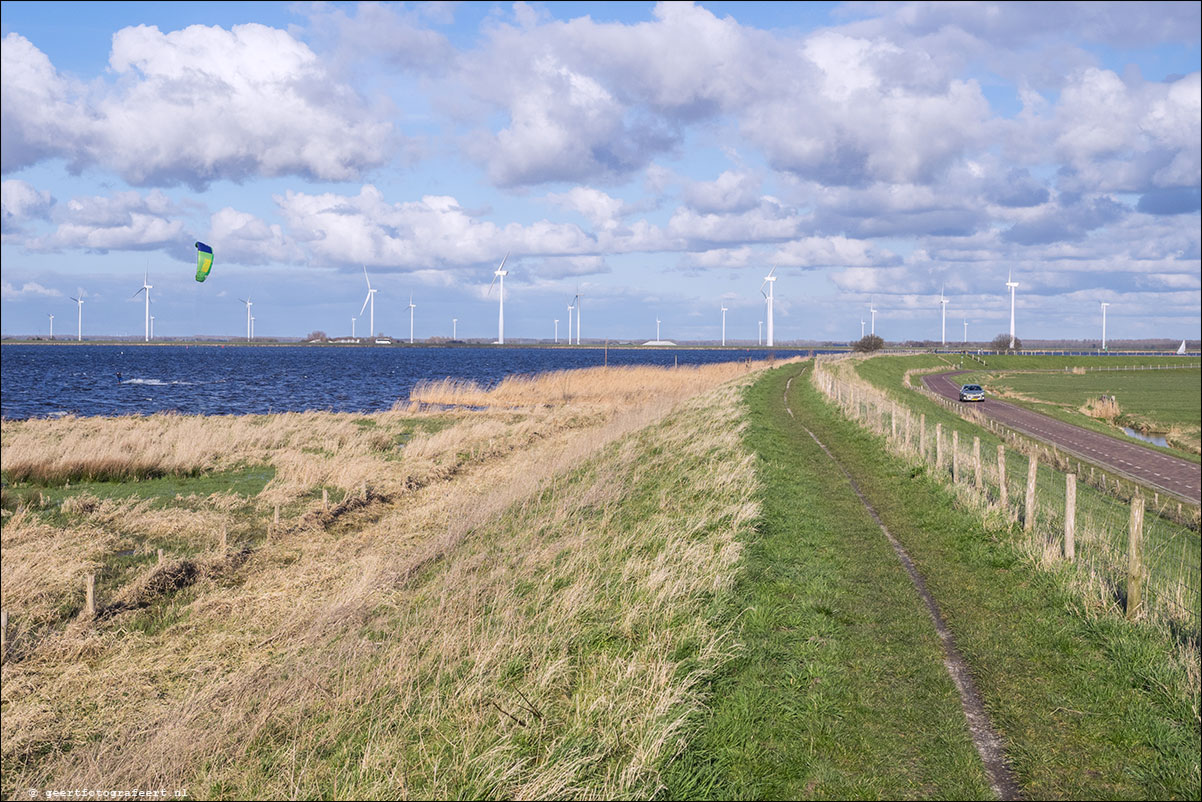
49 380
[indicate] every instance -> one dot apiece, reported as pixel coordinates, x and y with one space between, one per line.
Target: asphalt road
1167 474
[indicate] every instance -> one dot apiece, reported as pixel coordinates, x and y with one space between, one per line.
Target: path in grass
840 667
840 690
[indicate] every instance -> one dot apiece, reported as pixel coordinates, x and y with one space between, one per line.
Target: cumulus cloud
192 106
435 231
21 201
124 221
241 237
30 289
730 192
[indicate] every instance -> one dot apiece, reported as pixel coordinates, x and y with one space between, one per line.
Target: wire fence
1137 555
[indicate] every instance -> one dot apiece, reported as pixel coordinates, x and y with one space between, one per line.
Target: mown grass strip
840 668
1089 706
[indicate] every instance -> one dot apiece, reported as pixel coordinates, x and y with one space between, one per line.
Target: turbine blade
139 292
365 300
365 278
502 267
494 281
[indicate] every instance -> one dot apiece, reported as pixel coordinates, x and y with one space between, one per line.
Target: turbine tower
51 326
862 322
352 327
872 311
412 306
152 327
966 331
1011 283
79 322
759 337
252 328
943 306
500 273
577 302
248 306
657 322
454 328
724 327
770 282
1104 305
370 299
146 287
557 331
570 308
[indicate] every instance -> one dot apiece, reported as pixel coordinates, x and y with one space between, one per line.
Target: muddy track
1165 473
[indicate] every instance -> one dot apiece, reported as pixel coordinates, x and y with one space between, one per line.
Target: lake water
38 381
1154 439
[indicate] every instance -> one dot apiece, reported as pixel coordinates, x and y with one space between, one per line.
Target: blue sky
659 159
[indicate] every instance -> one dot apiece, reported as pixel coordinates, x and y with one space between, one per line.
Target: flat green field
1161 401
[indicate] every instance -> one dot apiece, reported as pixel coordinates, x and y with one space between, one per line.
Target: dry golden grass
517 609
1105 408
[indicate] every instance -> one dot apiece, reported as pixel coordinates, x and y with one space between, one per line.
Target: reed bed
496 603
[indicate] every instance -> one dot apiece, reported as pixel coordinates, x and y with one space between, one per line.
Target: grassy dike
1089 707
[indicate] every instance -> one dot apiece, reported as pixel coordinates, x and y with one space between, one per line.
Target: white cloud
30 289
125 221
243 238
21 201
192 106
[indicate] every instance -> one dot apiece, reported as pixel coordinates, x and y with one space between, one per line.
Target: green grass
1089 707
247 482
840 665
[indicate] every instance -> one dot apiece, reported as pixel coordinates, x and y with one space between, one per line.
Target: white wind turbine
252 328
966 331
872 311
352 327
557 331
412 306
862 322
576 301
79 322
454 328
724 326
248 318
943 306
1104 305
500 273
1012 284
370 299
146 287
570 308
152 327
51 326
770 282
657 322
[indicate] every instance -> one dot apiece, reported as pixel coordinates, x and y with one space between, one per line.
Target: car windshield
972 388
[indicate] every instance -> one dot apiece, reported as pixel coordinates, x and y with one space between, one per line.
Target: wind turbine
657 322
248 318
724 327
51 326
500 273
872 309
557 331
412 306
943 306
454 328
370 299
1011 283
760 335
252 328
352 327
770 282
1104 305
570 308
79 323
966 331
862 322
146 287
152 327
577 302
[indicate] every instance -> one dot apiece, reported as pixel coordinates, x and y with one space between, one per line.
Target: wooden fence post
955 455
977 481
1029 510
275 519
1001 476
1135 558
1070 517
160 562
922 436
939 447
325 498
89 587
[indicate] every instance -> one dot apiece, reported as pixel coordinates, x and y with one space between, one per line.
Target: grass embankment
518 604
1090 705
839 690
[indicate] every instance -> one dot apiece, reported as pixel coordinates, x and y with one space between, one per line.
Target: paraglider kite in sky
204 261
